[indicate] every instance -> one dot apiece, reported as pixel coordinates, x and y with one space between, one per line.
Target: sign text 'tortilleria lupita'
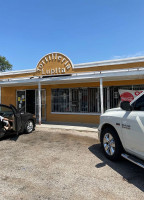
54 64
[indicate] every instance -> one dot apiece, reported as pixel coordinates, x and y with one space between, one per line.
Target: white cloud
140 53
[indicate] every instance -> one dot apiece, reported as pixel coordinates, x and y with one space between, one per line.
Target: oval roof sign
54 64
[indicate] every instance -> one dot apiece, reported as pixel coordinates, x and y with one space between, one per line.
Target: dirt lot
53 164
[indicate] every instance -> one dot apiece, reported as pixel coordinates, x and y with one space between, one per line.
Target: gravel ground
63 164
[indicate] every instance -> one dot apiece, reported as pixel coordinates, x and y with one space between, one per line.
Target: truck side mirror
125 105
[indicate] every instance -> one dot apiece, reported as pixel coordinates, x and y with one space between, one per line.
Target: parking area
64 164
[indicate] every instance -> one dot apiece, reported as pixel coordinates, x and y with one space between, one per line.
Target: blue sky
84 30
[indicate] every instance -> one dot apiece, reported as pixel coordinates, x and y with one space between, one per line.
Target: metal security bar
60 100
76 100
87 100
93 100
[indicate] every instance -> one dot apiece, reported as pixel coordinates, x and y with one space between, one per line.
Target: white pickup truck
121 131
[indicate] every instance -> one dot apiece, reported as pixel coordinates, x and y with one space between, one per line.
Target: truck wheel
29 126
111 144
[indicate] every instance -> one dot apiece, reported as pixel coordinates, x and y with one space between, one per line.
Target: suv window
139 104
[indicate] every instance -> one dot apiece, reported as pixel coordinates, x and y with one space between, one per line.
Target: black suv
19 121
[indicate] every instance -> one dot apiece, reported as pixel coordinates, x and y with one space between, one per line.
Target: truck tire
29 126
111 144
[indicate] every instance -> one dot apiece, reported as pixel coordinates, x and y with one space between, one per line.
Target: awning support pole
101 95
39 101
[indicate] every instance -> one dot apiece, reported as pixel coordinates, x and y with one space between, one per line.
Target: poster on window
129 95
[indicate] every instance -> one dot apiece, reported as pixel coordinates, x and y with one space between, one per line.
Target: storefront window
77 100
60 100
87 100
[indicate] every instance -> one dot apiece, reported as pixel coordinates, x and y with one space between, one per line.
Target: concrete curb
72 130
66 127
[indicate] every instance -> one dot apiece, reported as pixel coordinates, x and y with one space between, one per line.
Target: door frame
35 100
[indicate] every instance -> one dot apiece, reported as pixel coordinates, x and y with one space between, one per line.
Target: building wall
9 97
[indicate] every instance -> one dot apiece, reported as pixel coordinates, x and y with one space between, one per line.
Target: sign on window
129 95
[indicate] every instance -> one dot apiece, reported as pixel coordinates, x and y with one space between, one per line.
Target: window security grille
87 100
77 100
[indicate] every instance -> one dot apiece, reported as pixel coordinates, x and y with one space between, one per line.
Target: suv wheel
111 144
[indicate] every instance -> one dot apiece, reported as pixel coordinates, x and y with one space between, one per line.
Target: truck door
17 119
6 112
18 123
133 127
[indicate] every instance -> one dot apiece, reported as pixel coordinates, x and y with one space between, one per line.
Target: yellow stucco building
58 90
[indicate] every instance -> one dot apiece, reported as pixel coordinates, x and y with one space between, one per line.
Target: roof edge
26 71
110 62
85 65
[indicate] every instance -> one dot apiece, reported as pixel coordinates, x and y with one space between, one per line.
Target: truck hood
113 109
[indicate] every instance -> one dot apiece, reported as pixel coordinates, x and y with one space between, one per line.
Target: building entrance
27 101
30 101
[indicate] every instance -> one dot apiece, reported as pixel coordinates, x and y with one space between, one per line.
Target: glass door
21 100
27 101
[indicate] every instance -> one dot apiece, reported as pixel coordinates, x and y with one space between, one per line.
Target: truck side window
139 104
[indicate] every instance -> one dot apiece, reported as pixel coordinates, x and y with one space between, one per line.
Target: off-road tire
112 150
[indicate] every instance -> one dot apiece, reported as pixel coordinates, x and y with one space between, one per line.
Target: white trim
27 71
36 104
101 95
107 76
83 65
72 113
39 101
110 62
73 74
